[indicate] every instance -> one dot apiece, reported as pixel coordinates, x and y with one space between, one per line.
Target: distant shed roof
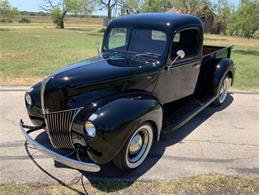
175 10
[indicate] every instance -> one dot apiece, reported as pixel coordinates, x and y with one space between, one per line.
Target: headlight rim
29 101
89 129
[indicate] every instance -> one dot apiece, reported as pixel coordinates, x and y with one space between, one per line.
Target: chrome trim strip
65 110
91 167
70 127
43 85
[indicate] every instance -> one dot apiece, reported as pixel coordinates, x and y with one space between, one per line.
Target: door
181 78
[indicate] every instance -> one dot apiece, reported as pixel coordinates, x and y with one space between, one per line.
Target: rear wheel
136 149
223 92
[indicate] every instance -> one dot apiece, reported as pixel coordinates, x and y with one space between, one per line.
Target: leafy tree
7 12
156 5
190 6
57 17
224 11
84 7
63 7
131 6
244 22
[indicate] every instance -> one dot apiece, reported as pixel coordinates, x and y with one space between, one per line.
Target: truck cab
153 75
160 37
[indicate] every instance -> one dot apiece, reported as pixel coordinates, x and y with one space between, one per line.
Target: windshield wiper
148 54
119 52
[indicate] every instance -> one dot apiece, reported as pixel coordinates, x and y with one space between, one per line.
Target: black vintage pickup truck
152 76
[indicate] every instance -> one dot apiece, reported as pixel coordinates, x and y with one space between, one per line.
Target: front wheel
222 92
136 149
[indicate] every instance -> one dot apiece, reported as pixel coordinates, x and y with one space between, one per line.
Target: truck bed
211 56
216 51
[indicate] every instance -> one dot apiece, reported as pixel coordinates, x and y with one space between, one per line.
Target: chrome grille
59 126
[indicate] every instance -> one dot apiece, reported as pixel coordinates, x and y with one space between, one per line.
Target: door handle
196 66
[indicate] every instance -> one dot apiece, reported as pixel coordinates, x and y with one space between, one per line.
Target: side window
117 38
188 41
176 38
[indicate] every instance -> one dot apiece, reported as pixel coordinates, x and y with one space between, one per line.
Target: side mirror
180 54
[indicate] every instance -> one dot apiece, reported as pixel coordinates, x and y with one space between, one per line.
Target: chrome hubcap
139 146
224 90
140 141
135 144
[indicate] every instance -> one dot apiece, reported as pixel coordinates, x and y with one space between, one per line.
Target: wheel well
230 75
155 130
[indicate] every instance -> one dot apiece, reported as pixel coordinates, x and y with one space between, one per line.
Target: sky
34 5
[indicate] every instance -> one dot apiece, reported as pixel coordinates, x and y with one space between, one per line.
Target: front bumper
91 167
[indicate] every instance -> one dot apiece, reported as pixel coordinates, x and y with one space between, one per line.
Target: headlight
90 129
28 99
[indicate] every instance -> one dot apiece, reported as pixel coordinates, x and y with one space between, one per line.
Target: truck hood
81 83
98 70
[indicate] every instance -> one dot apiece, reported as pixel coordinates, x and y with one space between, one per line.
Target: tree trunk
109 14
61 22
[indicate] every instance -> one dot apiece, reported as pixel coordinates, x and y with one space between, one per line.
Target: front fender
116 121
222 68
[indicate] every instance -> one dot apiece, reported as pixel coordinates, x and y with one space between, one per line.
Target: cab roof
161 21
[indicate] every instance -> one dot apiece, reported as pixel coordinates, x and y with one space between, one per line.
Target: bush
256 35
7 12
24 20
102 30
56 16
4 20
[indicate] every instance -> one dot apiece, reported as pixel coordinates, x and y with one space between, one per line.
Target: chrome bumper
91 167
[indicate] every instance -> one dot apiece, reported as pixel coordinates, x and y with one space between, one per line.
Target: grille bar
59 126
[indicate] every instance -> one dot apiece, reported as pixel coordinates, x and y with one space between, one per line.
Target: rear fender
221 69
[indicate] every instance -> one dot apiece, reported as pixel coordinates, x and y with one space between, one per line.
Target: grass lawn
245 54
209 184
28 52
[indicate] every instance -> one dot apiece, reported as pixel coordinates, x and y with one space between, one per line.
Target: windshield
141 41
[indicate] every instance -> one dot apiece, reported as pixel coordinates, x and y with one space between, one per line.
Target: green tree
190 6
7 12
84 7
224 11
244 21
63 7
131 6
156 5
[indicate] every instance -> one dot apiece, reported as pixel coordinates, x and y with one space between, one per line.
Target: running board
185 113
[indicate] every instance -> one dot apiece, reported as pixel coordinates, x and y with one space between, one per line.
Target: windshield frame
129 30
